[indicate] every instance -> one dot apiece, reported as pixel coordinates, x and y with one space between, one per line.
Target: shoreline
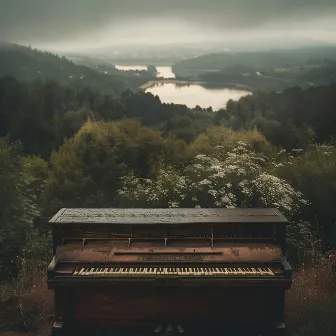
151 83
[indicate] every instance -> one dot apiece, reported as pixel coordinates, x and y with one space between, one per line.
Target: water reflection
195 94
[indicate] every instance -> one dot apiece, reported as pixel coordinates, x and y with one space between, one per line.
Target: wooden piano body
139 267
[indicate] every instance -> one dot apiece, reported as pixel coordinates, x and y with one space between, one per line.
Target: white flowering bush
225 179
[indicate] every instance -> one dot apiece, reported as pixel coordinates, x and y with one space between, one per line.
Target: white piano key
75 272
167 271
268 271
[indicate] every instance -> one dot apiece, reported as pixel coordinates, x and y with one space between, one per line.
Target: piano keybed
182 271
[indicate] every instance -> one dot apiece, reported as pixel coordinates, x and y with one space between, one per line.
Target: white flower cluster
222 179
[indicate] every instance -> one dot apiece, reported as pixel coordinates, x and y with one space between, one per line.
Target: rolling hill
25 63
263 60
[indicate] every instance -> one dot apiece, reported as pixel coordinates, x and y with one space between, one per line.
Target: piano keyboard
119 271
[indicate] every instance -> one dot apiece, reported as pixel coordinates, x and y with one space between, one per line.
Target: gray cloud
99 22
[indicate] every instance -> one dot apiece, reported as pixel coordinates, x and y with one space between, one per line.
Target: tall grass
311 301
25 301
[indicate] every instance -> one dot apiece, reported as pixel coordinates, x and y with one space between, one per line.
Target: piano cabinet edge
51 271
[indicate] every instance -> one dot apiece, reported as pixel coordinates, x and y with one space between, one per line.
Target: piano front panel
161 254
188 242
238 233
135 306
190 232
149 232
147 243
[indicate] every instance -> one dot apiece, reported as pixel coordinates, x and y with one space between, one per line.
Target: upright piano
188 267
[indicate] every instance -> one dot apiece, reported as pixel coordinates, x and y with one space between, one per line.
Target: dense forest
63 145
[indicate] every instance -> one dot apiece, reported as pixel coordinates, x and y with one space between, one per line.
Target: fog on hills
104 25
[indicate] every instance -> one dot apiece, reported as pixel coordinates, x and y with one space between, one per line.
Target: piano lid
166 216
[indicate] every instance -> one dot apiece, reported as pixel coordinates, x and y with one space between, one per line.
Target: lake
162 71
165 72
195 94
131 67
190 94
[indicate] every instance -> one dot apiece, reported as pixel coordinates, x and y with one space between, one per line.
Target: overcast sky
85 24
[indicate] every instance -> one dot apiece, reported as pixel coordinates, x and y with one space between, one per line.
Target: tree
86 170
18 207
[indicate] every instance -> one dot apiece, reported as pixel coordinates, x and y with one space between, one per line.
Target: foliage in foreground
85 172
313 172
223 179
18 207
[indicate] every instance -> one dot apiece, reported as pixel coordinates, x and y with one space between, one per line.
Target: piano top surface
166 216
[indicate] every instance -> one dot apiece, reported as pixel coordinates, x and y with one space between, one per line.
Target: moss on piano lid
166 216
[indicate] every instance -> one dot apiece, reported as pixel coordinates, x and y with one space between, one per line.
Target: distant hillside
25 63
320 76
257 60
